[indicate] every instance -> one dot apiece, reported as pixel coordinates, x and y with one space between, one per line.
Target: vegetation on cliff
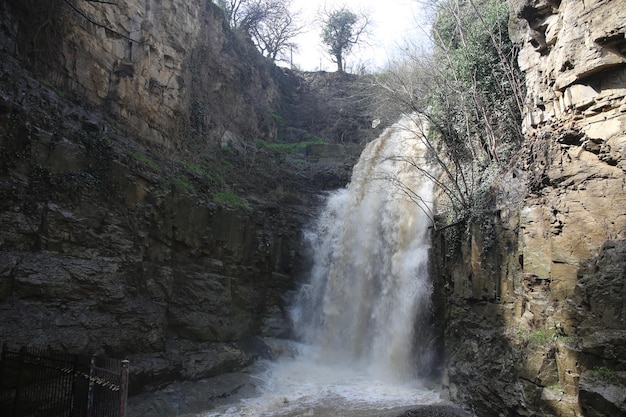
520 291
469 91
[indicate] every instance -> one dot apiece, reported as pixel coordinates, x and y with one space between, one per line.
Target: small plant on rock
140 157
556 388
603 373
538 338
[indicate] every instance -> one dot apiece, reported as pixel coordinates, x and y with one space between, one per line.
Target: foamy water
363 315
305 387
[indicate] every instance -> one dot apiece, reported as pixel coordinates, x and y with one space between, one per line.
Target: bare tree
468 91
274 34
270 23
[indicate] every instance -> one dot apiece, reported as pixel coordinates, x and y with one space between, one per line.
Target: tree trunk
339 60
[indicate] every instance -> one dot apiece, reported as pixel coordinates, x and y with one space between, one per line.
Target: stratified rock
530 316
117 161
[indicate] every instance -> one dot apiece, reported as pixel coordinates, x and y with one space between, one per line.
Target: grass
230 199
277 118
603 373
556 388
225 163
51 86
538 338
213 178
287 148
183 183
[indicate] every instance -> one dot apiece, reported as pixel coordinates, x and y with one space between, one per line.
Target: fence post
3 366
92 364
124 387
3 362
18 388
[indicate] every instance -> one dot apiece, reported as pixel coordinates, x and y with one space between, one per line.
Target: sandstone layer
536 323
164 71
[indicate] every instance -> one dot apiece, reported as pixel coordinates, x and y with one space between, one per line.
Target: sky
393 21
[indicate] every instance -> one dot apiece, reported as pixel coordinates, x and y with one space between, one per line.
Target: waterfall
360 317
369 290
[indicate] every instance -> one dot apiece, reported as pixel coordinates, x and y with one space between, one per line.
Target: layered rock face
164 70
573 225
138 219
108 248
537 323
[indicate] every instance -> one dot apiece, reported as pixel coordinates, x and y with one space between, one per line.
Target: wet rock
191 397
434 411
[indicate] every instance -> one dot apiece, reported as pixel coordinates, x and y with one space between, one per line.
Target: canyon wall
142 214
138 220
166 72
535 319
108 247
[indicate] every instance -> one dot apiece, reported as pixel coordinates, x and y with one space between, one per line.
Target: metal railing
43 383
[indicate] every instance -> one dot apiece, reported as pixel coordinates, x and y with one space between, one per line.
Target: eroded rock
556 268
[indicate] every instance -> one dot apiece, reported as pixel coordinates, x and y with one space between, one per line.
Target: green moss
230 199
183 183
138 156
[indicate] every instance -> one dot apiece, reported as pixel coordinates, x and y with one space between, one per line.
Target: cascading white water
360 314
369 287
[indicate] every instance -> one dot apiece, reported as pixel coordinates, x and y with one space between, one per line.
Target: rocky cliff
111 248
535 318
164 72
143 212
